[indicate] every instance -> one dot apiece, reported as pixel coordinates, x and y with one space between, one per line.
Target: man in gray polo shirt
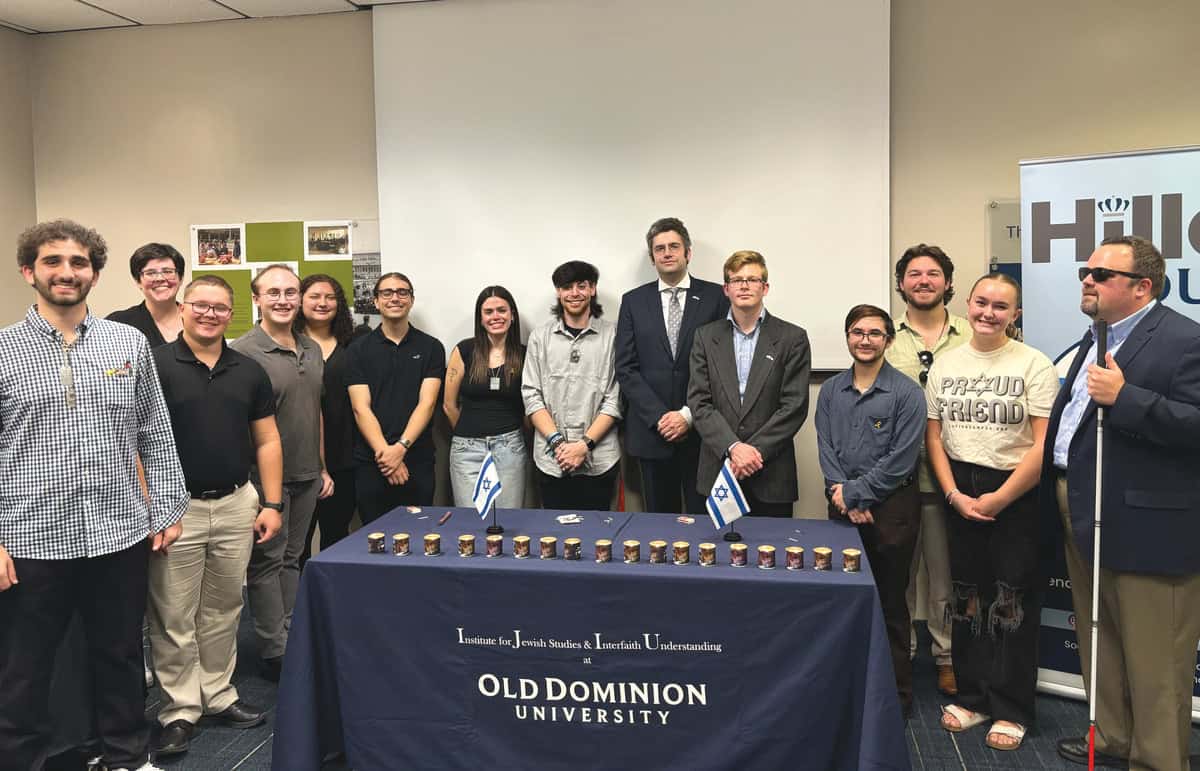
295 366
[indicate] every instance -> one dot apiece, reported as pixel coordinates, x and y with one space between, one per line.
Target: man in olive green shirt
925 279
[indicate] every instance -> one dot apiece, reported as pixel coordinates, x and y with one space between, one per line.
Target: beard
937 302
1090 306
46 292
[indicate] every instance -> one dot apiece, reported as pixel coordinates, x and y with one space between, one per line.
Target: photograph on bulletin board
328 240
218 247
367 269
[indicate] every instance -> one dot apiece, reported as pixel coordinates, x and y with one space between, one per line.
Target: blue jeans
466 456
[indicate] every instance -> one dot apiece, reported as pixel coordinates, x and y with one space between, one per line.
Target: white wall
16 168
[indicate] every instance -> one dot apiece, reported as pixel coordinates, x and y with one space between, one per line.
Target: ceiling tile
56 15
167 11
288 7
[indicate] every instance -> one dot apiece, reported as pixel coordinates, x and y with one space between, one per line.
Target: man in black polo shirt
394 376
223 417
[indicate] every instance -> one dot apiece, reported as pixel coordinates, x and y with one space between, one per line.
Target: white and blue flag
487 486
726 501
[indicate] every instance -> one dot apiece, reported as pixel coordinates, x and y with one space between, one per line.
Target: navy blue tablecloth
450 662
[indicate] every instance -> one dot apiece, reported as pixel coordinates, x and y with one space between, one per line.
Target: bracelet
950 496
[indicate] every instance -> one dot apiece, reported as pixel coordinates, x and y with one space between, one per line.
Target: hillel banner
1068 206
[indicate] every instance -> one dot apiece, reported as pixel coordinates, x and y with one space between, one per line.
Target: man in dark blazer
749 391
654 342
1150 506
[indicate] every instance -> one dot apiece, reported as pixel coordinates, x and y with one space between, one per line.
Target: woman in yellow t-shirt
988 404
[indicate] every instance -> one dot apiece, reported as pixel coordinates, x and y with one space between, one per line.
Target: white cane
1101 354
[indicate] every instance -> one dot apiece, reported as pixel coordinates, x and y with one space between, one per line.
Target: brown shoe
946 683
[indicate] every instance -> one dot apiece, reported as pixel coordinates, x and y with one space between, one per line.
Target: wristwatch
405 443
273 505
590 442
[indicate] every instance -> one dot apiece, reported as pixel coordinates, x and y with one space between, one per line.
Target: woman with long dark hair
482 400
325 317
988 404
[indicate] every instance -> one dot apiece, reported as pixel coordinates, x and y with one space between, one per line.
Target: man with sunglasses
1149 561
925 281
296 369
223 418
870 421
750 412
394 376
80 403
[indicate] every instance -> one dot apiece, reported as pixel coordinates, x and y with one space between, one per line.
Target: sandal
1014 731
965 718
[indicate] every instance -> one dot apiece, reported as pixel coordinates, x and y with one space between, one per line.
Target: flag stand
732 536
494 529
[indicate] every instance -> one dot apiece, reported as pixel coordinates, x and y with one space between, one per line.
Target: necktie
674 319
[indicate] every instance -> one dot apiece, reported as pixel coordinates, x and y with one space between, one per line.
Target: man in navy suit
654 341
1149 562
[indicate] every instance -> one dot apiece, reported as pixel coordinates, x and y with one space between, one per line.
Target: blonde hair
741 259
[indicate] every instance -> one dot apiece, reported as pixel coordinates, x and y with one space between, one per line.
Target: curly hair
342 326
42 233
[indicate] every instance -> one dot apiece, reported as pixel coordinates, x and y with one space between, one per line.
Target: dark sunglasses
1100 275
926 359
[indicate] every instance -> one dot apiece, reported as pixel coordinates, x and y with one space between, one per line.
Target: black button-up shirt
394 373
138 316
211 412
869 442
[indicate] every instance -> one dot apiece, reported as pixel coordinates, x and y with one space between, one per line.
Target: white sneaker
147 767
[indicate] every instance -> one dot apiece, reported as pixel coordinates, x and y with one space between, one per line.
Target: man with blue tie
655 327
1149 564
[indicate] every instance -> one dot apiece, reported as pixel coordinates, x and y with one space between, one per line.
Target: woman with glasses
157 269
483 403
987 403
325 317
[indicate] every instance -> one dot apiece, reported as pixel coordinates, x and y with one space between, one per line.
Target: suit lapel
724 362
1138 337
765 353
654 308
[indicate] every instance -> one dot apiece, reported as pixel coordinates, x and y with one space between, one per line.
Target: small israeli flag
487 486
726 501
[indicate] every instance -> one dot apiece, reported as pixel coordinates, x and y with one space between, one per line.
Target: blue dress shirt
743 348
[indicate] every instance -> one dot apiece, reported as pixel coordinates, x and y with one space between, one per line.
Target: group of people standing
944 443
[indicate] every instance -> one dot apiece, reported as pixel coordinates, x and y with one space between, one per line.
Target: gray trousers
274 572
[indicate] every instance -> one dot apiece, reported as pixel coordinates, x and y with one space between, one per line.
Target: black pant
889 543
996 603
376 497
669 484
333 514
761 508
110 594
579 493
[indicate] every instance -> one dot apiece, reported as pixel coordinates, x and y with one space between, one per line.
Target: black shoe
1075 750
270 668
174 738
240 715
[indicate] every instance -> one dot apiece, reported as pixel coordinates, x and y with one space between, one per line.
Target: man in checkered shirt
80 402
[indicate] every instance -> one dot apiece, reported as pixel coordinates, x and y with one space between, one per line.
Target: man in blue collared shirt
870 421
80 403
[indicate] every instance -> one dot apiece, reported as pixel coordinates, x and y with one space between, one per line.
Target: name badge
494 383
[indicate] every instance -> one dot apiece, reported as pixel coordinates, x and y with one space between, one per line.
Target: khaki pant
1149 629
932 552
195 604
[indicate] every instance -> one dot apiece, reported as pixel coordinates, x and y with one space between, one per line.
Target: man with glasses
655 327
1149 563
750 413
80 403
223 418
870 421
394 376
572 397
925 281
295 367
157 270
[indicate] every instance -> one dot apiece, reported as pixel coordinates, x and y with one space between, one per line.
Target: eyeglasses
874 335
201 308
753 281
389 293
163 273
926 359
287 294
1100 275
